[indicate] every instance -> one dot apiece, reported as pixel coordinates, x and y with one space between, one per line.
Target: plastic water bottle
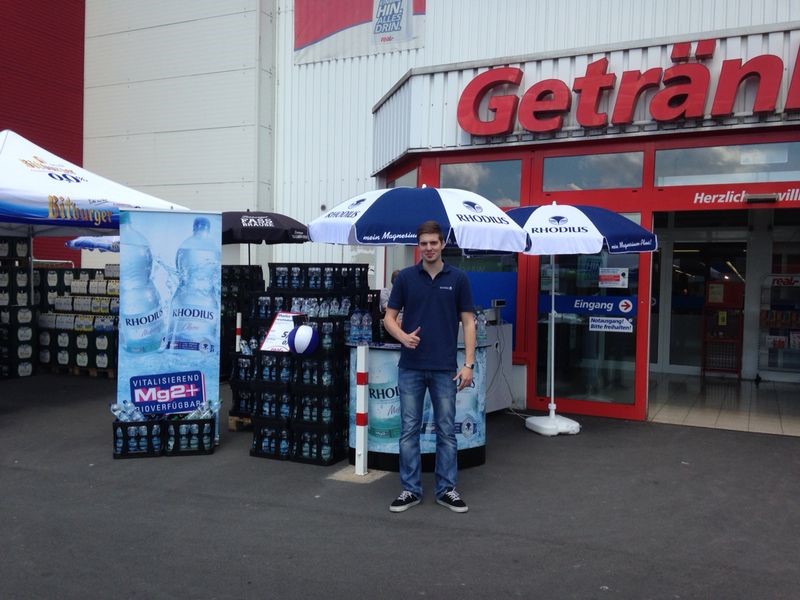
326 410
141 313
156 439
327 374
296 281
480 327
355 327
327 335
325 447
284 443
286 370
133 445
118 440
366 328
194 323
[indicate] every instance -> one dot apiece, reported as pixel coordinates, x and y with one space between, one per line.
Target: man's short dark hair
430 227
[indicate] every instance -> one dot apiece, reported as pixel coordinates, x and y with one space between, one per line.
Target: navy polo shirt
436 306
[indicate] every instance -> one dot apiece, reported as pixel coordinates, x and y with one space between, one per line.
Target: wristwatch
472 366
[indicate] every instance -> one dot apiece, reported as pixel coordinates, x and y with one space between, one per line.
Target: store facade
697 139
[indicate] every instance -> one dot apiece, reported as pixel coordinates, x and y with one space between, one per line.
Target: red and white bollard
362 408
238 332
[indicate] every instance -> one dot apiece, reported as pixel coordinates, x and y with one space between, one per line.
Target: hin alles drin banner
169 311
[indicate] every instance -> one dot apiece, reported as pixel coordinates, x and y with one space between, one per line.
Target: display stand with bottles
297 403
779 324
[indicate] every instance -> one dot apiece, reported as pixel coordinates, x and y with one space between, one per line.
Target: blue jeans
413 383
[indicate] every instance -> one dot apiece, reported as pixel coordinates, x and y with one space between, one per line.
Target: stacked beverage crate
298 402
238 281
78 319
17 315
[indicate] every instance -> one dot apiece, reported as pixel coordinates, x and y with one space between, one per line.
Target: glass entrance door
679 285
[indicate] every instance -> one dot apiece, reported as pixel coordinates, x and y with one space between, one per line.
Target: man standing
434 297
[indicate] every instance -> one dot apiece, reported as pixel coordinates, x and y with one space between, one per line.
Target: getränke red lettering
683 90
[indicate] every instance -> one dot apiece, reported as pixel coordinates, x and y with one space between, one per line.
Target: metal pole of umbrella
552 424
552 335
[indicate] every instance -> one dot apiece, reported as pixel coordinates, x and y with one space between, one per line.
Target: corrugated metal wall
172 97
178 97
400 131
325 143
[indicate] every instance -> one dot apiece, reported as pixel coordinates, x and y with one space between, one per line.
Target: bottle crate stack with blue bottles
238 281
136 436
298 402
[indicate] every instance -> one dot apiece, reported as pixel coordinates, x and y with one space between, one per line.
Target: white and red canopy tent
44 194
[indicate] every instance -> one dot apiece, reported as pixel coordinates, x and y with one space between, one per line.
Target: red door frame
645 200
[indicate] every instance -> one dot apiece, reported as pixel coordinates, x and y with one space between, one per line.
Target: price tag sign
278 334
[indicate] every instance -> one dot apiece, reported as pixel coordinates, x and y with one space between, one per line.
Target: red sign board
683 90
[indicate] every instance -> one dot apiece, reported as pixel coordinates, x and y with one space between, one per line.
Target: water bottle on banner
384 401
195 305
142 319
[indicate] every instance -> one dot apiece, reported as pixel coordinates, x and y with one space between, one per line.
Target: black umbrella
245 227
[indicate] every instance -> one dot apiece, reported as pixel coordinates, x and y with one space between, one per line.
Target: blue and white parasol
392 216
562 229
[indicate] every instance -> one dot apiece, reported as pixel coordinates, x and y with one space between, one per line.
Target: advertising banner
169 312
345 28
384 406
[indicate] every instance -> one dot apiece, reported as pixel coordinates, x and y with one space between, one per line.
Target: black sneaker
453 501
404 501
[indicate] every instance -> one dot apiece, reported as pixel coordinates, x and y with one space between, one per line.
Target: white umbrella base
552 425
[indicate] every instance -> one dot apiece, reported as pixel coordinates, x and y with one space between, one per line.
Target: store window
406 180
694 265
590 363
593 172
498 180
746 163
779 321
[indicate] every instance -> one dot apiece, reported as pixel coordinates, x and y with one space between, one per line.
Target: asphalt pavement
622 510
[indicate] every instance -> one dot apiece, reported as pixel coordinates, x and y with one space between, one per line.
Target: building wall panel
105 17
327 141
204 101
176 158
171 98
182 49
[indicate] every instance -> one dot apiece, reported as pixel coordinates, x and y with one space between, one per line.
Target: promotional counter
384 412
